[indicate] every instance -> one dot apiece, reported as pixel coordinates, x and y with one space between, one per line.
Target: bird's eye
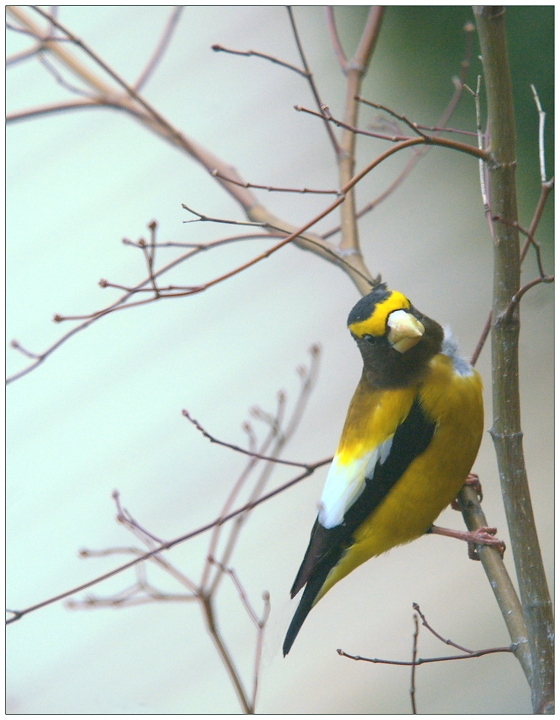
369 338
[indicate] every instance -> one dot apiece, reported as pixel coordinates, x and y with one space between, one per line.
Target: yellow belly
433 479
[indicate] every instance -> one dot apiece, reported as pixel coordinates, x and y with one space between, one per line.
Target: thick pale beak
405 330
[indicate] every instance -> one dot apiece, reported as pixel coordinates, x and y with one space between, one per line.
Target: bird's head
396 341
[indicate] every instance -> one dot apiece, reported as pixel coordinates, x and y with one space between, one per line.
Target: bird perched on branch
411 436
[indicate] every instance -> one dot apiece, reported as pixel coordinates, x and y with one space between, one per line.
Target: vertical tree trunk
506 429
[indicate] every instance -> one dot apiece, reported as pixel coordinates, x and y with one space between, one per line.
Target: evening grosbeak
411 436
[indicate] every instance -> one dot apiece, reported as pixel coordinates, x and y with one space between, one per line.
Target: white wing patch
346 482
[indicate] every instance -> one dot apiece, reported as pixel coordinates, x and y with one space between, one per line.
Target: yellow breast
451 400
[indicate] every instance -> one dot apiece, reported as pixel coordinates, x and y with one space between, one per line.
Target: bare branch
270 188
440 127
36 35
436 634
256 455
424 661
160 49
545 191
325 114
259 646
279 436
254 53
482 339
327 251
467 654
311 81
335 41
354 266
422 140
530 240
18 614
481 166
53 108
21 56
542 116
205 218
506 314
39 358
413 126
53 72
414 663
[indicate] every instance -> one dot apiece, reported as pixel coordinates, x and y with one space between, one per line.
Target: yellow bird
410 439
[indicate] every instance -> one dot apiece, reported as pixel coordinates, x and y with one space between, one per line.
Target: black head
396 341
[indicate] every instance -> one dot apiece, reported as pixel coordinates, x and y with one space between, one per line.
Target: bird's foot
474 482
480 536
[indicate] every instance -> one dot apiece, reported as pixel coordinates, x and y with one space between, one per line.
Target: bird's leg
474 482
480 536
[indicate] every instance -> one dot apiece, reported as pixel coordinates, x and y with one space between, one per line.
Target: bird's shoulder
373 416
452 387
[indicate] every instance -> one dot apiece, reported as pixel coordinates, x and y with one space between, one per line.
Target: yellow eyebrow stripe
375 324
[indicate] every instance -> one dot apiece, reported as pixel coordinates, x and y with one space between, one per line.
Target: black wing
326 546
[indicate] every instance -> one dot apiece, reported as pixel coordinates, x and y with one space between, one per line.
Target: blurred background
104 412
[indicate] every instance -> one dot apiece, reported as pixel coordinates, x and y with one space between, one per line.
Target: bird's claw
472 481
484 536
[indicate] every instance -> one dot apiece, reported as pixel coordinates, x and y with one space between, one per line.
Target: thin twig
124 517
426 624
160 49
468 654
271 188
142 592
41 38
22 55
18 614
542 116
212 439
264 56
506 314
230 572
546 189
206 218
236 489
122 302
310 80
39 358
335 41
267 253
413 671
49 67
209 617
481 340
420 152
530 240
258 622
57 107
259 646
402 139
413 126
424 661
279 437
325 114
481 165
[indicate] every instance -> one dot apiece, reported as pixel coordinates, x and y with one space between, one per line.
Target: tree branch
506 429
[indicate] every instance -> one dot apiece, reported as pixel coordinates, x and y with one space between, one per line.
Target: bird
410 438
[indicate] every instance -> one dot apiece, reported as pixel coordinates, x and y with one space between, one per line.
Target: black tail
311 591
